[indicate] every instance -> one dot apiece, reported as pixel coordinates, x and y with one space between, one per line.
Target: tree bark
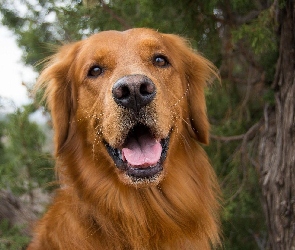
277 141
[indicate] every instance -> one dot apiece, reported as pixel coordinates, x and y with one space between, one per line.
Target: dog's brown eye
160 61
95 71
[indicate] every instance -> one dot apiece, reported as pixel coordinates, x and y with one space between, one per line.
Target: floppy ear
56 79
198 73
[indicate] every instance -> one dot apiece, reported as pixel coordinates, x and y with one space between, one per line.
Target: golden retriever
129 112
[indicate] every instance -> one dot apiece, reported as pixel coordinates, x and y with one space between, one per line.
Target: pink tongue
142 152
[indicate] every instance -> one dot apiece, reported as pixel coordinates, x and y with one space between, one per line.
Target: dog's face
131 95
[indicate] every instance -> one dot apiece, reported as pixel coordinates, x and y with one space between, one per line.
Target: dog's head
128 95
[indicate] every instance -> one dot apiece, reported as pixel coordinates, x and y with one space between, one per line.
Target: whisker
185 141
183 96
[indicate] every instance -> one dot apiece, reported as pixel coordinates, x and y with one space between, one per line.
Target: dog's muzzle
141 154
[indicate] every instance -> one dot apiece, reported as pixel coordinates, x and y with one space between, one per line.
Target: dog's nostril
121 92
146 89
125 91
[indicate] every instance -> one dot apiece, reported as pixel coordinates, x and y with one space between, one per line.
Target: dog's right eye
160 61
95 71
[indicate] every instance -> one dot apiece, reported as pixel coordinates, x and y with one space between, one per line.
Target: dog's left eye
160 61
95 71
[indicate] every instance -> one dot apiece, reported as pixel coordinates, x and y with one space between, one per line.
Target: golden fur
98 205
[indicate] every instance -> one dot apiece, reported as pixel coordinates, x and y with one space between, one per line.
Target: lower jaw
141 182
142 176
144 172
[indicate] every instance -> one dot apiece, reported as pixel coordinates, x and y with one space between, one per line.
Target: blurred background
240 37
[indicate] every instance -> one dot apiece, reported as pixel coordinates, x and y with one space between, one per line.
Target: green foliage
259 33
242 214
11 238
2 147
25 165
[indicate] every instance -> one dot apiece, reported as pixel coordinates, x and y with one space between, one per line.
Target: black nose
134 91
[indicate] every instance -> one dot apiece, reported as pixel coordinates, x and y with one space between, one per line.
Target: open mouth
141 155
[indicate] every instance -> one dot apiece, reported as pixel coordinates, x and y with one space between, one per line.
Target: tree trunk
277 141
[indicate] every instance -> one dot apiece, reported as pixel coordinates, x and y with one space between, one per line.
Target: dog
129 115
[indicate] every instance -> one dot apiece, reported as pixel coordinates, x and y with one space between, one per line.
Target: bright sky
12 70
